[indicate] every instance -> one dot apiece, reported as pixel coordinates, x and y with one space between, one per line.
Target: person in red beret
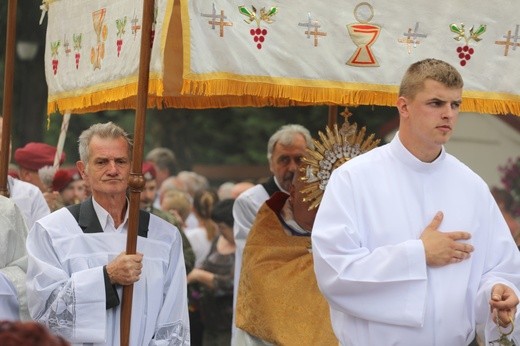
35 161
80 186
31 158
62 183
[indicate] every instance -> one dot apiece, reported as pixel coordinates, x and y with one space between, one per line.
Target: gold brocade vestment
278 297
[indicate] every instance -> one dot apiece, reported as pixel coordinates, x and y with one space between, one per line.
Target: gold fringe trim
109 98
488 106
238 93
346 94
305 94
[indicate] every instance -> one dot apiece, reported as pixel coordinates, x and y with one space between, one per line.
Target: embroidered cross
307 24
411 38
507 43
217 20
135 27
66 45
516 37
312 29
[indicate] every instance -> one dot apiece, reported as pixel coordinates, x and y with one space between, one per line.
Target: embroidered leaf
481 30
77 40
474 35
54 48
245 11
120 24
266 15
251 16
455 28
272 11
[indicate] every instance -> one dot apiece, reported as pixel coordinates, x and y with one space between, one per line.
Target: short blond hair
177 200
437 70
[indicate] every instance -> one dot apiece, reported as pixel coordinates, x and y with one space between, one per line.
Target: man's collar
104 217
278 184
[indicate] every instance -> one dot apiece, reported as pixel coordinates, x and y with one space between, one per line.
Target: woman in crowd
215 277
200 238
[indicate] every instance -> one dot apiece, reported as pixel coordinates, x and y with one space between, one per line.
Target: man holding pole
78 264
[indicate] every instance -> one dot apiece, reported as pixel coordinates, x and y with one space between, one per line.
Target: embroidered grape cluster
465 53
258 36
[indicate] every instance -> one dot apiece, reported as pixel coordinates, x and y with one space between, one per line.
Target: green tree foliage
234 136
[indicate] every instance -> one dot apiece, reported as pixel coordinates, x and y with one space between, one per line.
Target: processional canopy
224 53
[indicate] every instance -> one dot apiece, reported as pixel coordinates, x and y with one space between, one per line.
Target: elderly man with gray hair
285 149
78 264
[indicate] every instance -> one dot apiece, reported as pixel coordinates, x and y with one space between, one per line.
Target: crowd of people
347 242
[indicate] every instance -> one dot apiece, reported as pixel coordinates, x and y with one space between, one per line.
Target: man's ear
402 106
81 169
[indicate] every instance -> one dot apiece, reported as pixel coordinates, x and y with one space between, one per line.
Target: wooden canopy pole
8 95
136 182
333 116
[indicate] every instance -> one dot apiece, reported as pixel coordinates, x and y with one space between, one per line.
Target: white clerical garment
245 208
29 199
13 260
370 263
9 307
66 284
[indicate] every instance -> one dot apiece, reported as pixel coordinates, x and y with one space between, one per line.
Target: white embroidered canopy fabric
317 52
